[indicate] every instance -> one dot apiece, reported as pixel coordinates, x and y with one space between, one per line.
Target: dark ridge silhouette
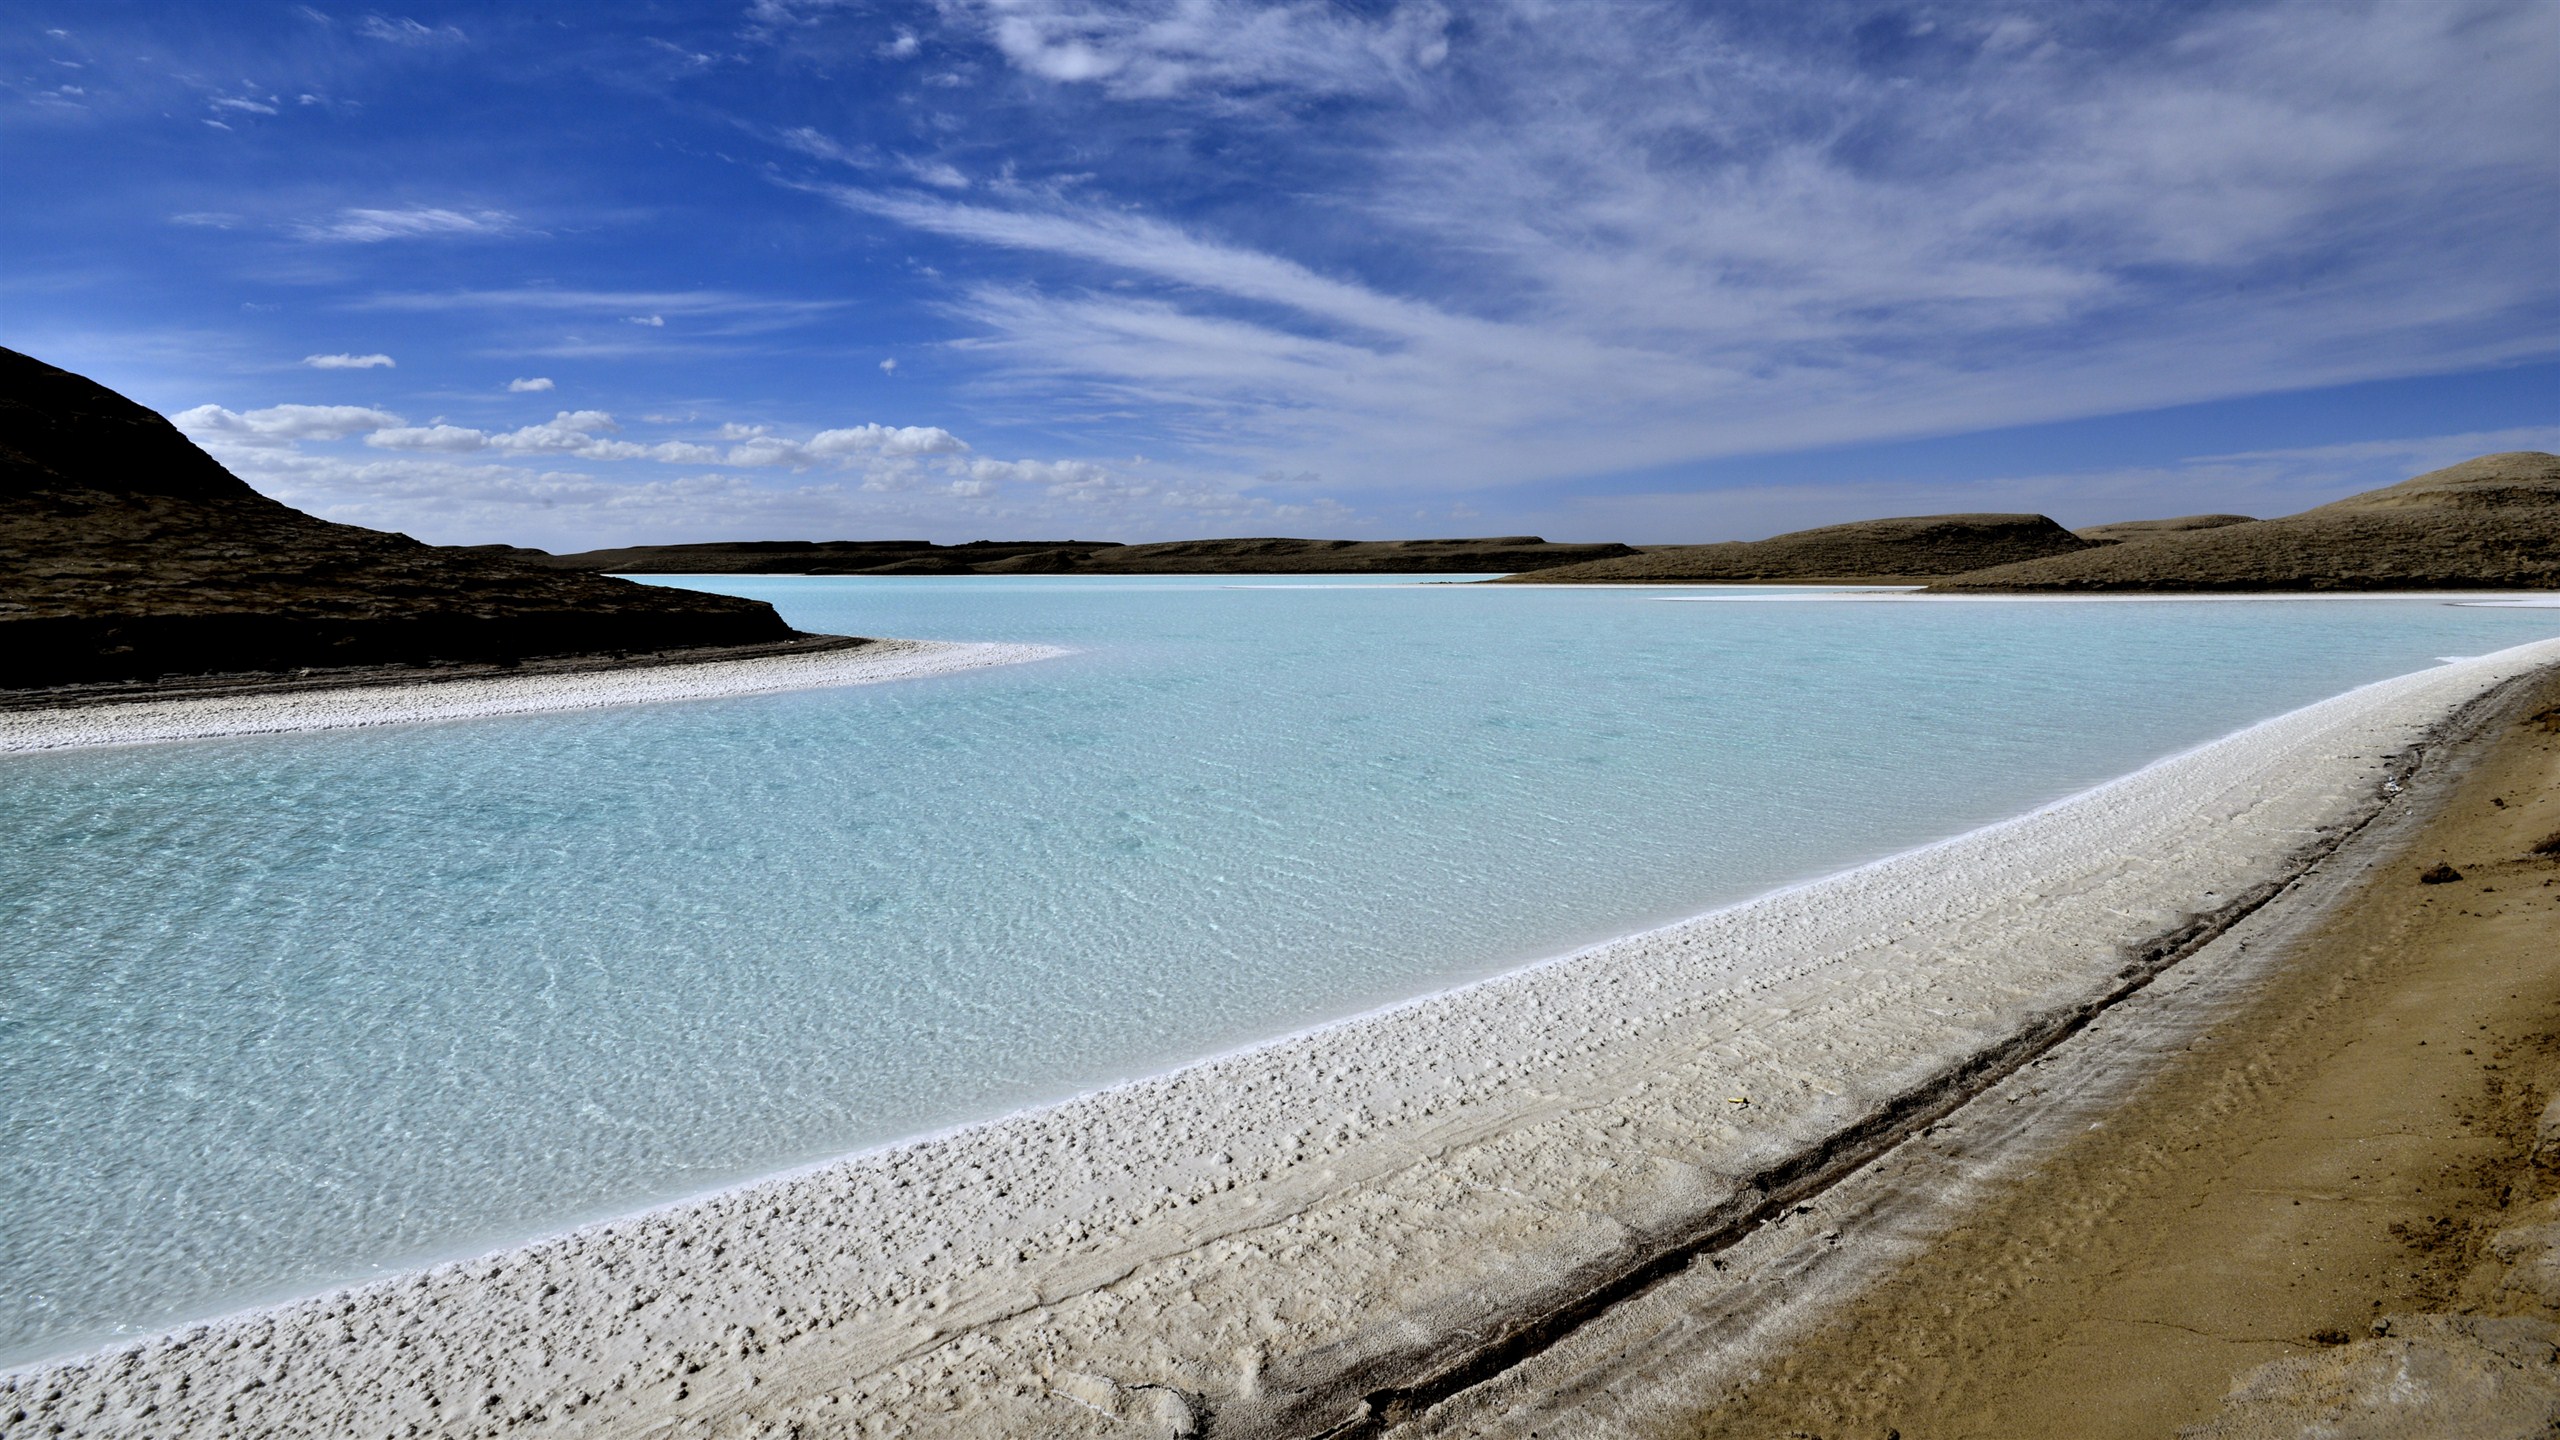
134 556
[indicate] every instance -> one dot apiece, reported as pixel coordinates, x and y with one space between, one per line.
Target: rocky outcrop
134 556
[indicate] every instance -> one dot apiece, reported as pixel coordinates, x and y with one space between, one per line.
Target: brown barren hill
132 555
2145 529
2489 523
1911 548
1249 556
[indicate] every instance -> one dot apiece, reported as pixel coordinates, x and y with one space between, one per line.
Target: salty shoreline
1274 1235
202 717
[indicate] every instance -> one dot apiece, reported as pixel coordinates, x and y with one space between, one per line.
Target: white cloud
349 362
817 145
530 385
590 435
889 367
449 438
904 47
246 105
738 311
654 322
571 432
454 484
402 30
1156 48
368 226
280 424
1682 241
886 440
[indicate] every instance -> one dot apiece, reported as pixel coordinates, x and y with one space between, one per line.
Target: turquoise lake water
281 1012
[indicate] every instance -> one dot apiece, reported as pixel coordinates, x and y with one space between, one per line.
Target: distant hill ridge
2487 523
133 555
1917 547
1252 555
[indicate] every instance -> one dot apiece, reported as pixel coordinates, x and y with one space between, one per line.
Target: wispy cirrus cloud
401 30
364 226
1599 239
375 361
602 304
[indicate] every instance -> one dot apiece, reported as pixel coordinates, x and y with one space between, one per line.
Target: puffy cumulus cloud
428 437
375 361
529 386
460 483
368 226
279 425
887 440
591 435
586 434
758 446
571 432
474 499
1058 477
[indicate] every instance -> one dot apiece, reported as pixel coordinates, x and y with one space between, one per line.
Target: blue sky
573 275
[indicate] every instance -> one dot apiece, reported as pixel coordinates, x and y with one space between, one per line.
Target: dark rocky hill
131 555
1258 556
1913 548
2488 523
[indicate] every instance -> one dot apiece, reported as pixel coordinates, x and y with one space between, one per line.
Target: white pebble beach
142 722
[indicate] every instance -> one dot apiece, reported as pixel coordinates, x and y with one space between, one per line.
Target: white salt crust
205 717
1116 1265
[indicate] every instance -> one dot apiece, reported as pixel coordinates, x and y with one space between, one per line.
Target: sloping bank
1341 1225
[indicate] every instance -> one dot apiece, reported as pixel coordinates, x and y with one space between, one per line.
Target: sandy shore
1361 1221
137 722
2331 1203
